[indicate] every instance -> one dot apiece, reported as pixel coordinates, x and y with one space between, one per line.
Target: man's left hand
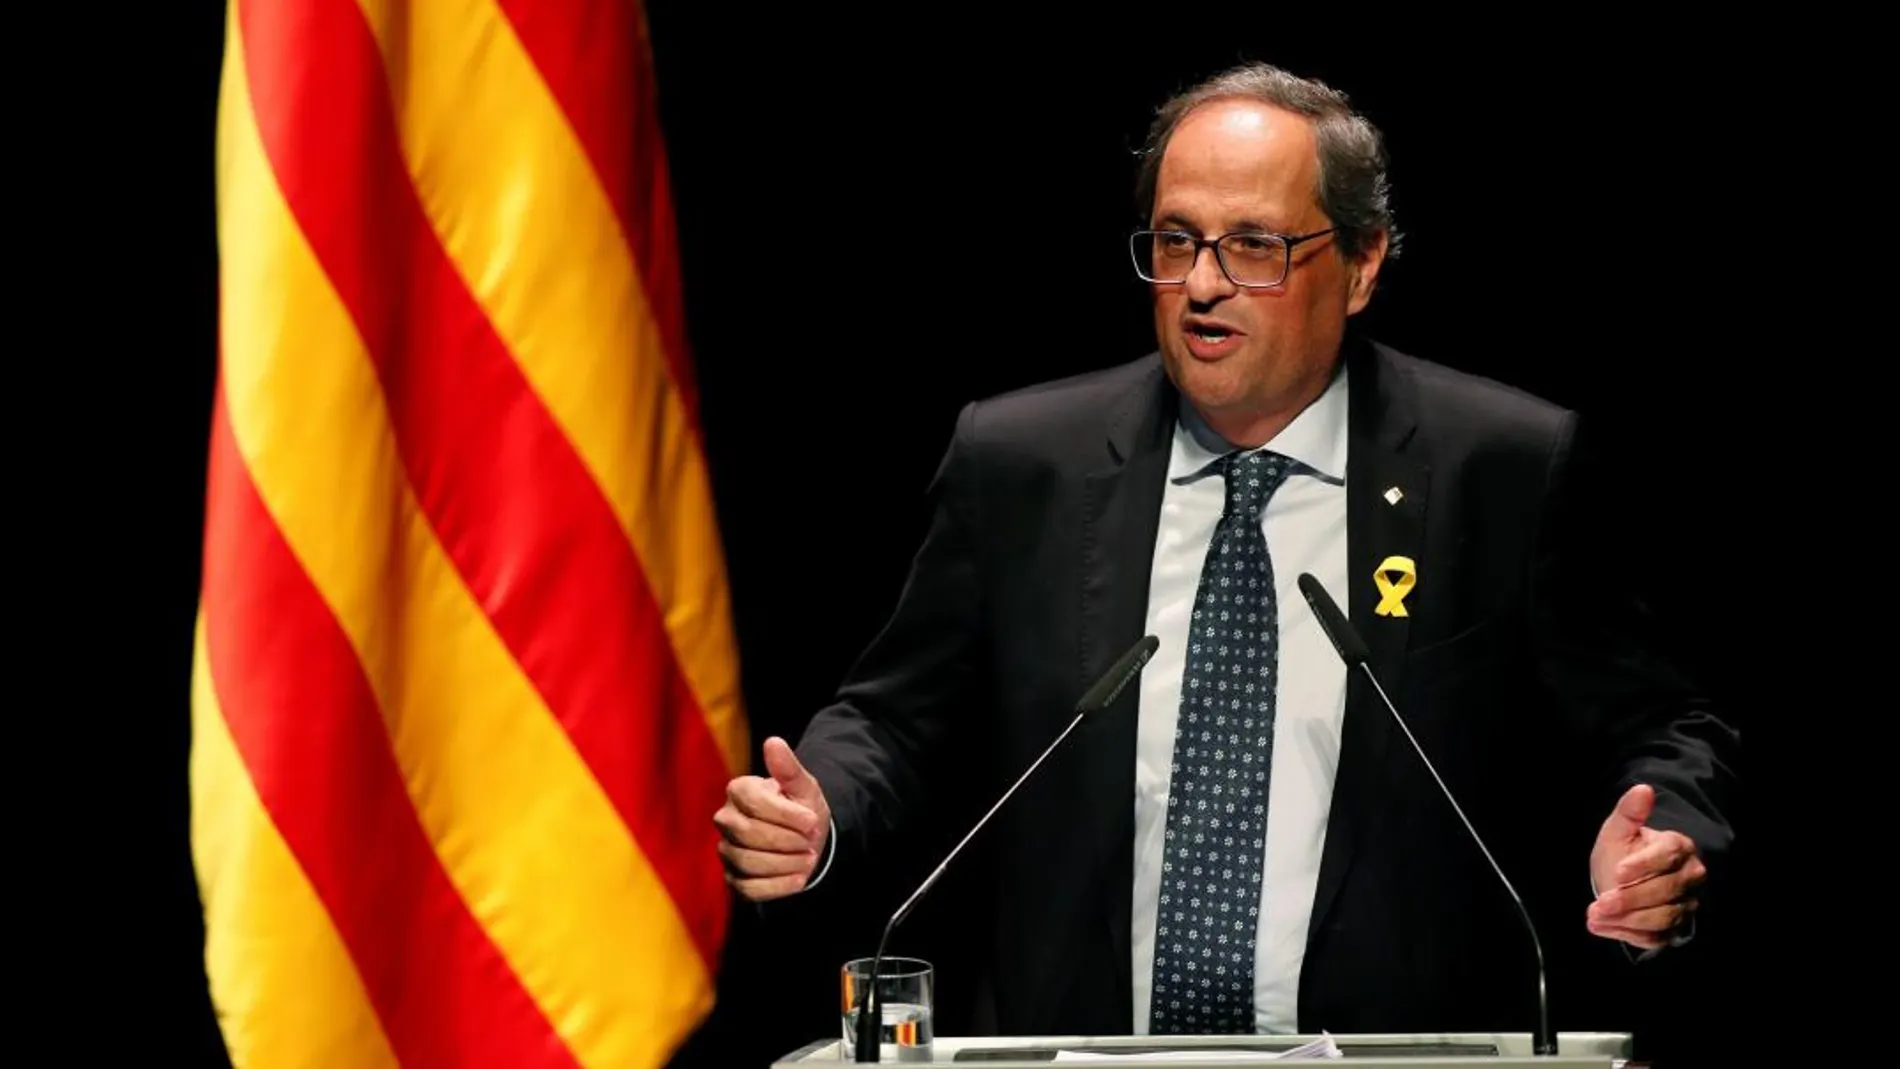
1646 879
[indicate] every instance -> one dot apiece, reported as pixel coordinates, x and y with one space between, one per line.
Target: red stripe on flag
527 527
594 57
307 726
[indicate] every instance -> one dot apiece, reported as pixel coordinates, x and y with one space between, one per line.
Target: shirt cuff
831 849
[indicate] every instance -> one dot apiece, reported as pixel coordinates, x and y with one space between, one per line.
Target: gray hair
1353 190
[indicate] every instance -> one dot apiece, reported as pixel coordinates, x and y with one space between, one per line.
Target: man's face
1251 357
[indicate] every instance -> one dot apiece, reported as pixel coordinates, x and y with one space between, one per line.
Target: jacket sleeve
872 748
1616 671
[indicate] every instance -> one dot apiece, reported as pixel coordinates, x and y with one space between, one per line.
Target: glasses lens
1168 256
1162 256
1254 259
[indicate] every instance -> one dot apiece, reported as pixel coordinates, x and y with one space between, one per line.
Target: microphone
1354 651
1094 700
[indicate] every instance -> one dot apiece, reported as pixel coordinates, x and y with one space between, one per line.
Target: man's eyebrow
1246 226
1257 227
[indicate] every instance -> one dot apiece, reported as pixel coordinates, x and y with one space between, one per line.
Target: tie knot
1251 479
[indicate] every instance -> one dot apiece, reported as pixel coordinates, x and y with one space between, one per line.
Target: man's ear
1363 272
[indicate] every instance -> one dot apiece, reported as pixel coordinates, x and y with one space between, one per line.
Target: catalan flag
465 692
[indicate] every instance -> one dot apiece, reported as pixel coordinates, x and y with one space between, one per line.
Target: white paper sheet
1323 1047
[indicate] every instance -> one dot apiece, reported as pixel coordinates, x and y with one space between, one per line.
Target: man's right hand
774 827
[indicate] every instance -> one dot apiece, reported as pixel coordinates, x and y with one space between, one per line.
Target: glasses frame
1288 242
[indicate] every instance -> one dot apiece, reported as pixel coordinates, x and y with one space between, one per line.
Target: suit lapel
1121 513
1386 492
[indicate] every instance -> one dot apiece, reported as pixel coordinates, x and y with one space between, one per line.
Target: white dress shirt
1305 526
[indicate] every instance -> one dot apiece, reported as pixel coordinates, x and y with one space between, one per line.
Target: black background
1562 186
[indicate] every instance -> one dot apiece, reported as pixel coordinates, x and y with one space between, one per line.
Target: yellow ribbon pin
1392 591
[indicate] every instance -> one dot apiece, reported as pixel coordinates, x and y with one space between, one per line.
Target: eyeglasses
1254 260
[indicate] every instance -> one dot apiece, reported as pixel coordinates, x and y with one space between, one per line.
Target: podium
1450 1050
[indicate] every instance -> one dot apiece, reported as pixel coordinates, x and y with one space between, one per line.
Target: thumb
785 769
1632 812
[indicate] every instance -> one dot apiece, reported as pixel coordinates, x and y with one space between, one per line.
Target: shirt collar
1315 440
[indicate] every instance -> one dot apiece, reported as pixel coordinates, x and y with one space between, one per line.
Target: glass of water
904 996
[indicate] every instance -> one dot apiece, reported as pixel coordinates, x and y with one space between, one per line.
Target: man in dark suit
1239 843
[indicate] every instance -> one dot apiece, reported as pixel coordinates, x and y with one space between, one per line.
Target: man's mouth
1208 340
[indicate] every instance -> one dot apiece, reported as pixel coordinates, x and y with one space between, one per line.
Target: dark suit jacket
1521 669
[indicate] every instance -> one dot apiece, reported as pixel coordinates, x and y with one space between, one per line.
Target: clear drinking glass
904 994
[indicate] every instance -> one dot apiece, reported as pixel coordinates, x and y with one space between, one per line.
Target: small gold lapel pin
1392 591
1393 495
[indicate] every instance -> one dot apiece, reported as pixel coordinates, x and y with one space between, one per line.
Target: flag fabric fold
465 689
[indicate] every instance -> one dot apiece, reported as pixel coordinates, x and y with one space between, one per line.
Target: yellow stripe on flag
287 989
511 195
524 831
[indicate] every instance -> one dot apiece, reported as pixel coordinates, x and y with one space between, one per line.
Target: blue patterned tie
1217 794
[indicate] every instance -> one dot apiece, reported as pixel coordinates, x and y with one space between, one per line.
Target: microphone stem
1545 1042
870 1013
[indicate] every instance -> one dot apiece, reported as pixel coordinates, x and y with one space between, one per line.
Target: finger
783 764
760 799
1631 813
1643 940
745 863
1664 853
1627 900
1653 919
1647 894
767 888
742 830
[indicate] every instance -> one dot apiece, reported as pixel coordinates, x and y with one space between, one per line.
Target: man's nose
1206 281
